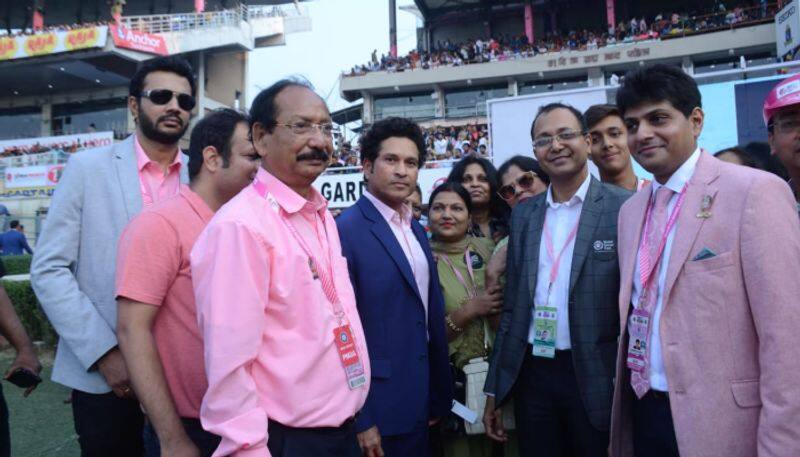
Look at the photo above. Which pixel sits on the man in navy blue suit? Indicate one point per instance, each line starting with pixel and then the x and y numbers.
pixel 398 296
pixel 13 242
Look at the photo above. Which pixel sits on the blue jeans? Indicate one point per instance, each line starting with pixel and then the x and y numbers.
pixel 205 441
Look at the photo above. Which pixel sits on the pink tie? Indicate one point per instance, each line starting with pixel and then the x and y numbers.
pixel 641 380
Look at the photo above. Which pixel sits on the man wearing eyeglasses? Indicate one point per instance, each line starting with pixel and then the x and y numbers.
pixel 285 352
pixel 73 268
pixel 782 115
pixel 557 338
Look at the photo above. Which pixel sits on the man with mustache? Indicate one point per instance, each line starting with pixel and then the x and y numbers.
pixel 285 353
pixel 558 332
pixel 72 271
pixel 609 138
pixel 708 256
pixel 398 296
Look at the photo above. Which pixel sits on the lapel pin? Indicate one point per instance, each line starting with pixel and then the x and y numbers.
pixel 705 206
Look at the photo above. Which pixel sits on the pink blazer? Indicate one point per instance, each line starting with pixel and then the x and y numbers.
pixel 730 325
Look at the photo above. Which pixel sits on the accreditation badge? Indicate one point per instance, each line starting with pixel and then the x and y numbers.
pixel 638 329
pixel 545 319
pixel 353 368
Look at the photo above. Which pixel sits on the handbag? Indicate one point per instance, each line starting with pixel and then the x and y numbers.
pixel 476 371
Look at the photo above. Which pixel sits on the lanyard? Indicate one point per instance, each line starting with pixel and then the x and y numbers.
pixel 556 259
pixel 471 290
pixel 325 275
pixel 647 266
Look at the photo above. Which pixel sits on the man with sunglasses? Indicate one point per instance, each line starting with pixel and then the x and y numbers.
pixel 285 352
pixel 72 271
pixel 157 318
pixel 559 327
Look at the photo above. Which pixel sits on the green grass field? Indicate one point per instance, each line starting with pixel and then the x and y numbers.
pixel 41 425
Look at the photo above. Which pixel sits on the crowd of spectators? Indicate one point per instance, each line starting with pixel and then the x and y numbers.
pixel 508 47
pixel 58 146
pixel 444 144
pixel 51 28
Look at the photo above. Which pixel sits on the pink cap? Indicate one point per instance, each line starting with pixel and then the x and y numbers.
pixel 785 93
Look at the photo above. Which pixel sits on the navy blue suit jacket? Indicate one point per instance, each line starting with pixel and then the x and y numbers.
pixel 411 379
pixel 14 243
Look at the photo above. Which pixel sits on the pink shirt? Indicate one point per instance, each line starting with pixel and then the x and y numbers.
pixel 153 268
pixel 401 228
pixel 155 184
pixel 266 321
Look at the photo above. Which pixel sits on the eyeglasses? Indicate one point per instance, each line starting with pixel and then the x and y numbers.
pixel 164 96
pixel 305 128
pixel 546 142
pixel 787 125
pixel 524 182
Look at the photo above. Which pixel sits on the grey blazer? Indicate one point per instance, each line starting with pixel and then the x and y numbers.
pixel 72 271
pixel 593 297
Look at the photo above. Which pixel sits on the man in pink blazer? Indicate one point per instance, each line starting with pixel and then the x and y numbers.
pixel 710 327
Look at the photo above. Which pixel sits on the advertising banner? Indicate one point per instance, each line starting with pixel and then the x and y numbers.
pixel 787 28
pixel 127 38
pixel 343 190
pixel 40 44
pixel 32 177
pixel 62 143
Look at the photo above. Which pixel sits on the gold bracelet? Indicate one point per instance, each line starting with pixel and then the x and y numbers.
pixel 452 324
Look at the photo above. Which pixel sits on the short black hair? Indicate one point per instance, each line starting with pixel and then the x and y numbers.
pixel 597 113
pixel 418 190
pixel 263 109
pixel 388 128
pixel 498 209
pixel 14 224
pixel 558 105
pixel 524 163
pixel 656 84
pixel 215 129
pixel 455 187
pixel 741 154
pixel 171 64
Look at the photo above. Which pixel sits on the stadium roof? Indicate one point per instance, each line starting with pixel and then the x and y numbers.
pixel 433 8
pixel 16 15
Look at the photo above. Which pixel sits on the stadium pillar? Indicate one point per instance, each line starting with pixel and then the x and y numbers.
pixel 47 116
pixel 529 21
pixel 596 78
pixel 687 65
pixel 393 28
pixel 201 85
pixel 38 15
pixel 438 98
pixel 366 111
pixel 513 87
pixel 610 15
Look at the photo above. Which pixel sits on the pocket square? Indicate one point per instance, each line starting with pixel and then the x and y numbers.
pixel 704 254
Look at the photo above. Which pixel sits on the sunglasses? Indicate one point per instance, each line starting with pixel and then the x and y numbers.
pixel 164 96
pixel 524 182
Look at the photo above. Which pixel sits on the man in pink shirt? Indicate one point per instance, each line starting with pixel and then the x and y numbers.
pixel 157 318
pixel 399 299
pixel 285 353
pixel 72 271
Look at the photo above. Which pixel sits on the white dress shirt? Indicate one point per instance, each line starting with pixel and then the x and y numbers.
pixel 560 218
pixel 401 228
pixel 658 377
